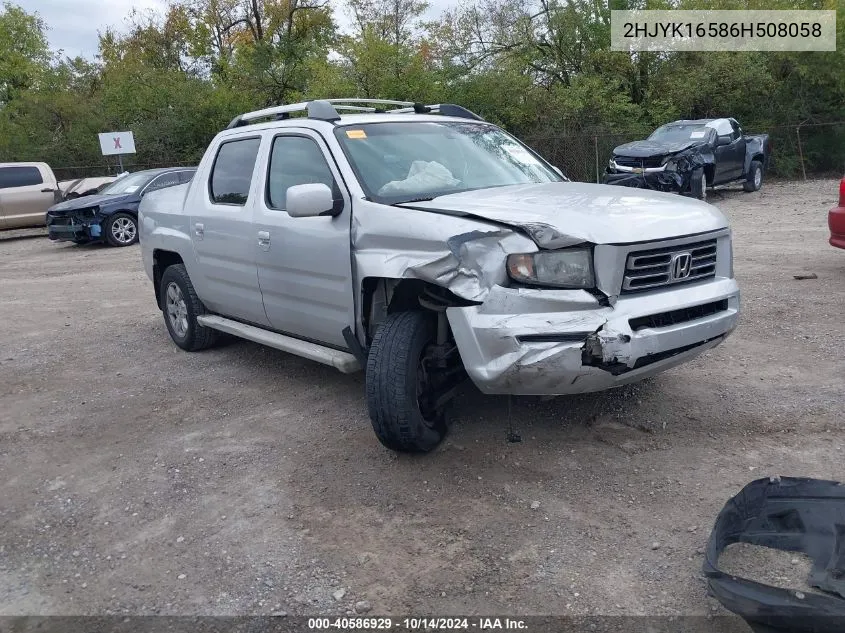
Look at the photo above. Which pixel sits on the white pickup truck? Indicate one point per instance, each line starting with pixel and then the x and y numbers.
pixel 425 245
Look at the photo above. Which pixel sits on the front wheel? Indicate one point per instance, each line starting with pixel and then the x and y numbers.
pixel 121 229
pixel 401 397
pixel 754 178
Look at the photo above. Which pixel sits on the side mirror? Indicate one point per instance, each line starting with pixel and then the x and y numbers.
pixel 307 201
pixel 724 140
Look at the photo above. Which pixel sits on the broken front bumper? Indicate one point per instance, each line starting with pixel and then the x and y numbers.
pixel 795 515
pixel 553 342
pixel 73 227
pixel 656 180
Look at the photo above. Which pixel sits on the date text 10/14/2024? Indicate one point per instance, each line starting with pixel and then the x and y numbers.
pixel 417 624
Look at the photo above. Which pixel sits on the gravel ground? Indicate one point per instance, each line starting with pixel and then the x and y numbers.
pixel 139 479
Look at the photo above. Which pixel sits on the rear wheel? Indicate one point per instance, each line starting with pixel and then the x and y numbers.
pixel 121 229
pixel 754 178
pixel 401 392
pixel 181 307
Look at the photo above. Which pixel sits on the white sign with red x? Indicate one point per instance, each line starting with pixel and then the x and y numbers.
pixel 112 143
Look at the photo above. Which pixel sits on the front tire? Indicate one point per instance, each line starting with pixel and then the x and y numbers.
pixel 181 306
pixel 754 178
pixel 399 393
pixel 121 229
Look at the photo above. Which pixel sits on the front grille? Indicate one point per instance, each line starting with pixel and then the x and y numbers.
pixel 646 270
pixel 638 162
pixel 665 319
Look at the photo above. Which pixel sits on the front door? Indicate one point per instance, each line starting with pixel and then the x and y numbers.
pixel 304 264
pixel 730 158
pixel 223 235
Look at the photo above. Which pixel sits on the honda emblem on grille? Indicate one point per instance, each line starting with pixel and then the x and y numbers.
pixel 681 265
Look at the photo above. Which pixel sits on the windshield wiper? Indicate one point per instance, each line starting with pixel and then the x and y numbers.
pixel 412 200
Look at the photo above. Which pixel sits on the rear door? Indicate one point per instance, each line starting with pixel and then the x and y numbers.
pixel 25 195
pixel 304 264
pixel 222 231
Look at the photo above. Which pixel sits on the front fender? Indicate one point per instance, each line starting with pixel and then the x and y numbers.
pixel 464 255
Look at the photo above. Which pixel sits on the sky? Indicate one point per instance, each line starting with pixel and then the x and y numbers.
pixel 73 24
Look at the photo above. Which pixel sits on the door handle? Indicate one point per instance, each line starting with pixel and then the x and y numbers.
pixel 199 230
pixel 264 240
pixel 47 190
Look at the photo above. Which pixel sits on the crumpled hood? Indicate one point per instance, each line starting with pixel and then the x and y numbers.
pixel 559 214
pixel 652 149
pixel 85 202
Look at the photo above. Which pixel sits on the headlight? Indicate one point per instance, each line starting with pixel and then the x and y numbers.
pixel 570 268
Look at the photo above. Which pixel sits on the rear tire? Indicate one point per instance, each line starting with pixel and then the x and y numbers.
pixel 121 229
pixel 181 307
pixel 754 178
pixel 397 382
pixel 698 184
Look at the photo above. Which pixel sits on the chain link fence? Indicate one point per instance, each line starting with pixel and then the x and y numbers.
pixel 75 172
pixel 798 152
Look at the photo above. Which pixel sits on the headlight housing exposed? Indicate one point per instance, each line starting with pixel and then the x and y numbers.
pixel 566 268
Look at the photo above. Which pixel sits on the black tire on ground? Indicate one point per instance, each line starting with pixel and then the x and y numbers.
pixel 754 178
pixel 121 229
pixel 698 184
pixel 393 371
pixel 181 307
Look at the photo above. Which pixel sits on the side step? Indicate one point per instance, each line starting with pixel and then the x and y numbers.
pixel 344 361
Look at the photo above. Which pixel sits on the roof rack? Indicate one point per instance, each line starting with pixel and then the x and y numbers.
pixel 327 110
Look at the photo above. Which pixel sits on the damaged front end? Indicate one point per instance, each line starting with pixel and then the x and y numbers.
pixel 552 342
pixel 77 225
pixel 795 515
pixel 518 327
pixel 672 173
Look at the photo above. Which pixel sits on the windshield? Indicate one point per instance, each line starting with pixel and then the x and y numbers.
pixel 681 133
pixel 127 184
pixel 402 162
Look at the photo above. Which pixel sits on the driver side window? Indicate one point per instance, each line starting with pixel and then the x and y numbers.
pixel 296 160
pixel 737 132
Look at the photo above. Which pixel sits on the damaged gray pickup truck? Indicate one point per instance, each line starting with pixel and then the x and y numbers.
pixel 425 245
pixel 689 156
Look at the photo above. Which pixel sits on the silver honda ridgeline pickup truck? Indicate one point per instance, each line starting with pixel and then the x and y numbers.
pixel 424 245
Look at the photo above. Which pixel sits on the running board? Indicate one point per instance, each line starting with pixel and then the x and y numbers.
pixel 344 361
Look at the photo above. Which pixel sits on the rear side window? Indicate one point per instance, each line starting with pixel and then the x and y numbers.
pixel 231 176
pixel 19 176
pixel 186 176
pixel 165 180
pixel 295 160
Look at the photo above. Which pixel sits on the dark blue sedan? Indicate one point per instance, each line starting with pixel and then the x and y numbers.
pixel 111 215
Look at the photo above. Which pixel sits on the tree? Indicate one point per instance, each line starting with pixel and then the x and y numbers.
pixel 24 53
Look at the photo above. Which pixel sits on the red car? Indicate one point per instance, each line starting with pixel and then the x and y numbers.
pixel 836 219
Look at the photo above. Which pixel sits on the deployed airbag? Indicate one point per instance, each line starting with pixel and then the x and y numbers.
pixel 422 176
